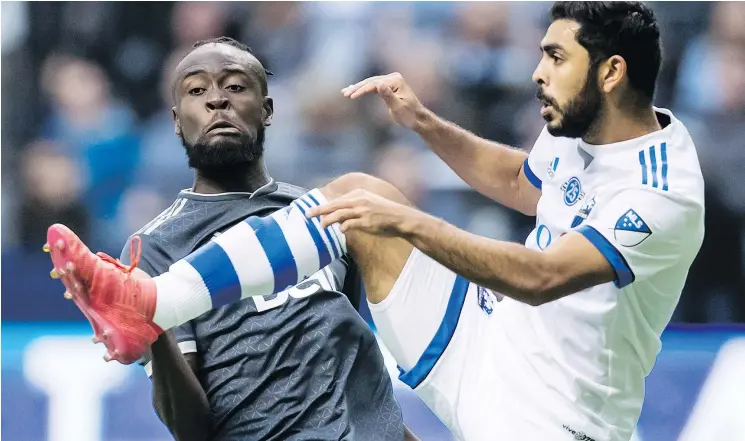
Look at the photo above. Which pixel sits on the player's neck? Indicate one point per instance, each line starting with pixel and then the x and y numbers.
pixel 245 178
pixel 618 126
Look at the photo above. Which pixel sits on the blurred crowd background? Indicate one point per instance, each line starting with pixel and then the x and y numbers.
pixel 87 132
pixel 88 140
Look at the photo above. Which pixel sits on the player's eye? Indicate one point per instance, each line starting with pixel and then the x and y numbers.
pixel 196 91
pixel 236 88
pixel 555 58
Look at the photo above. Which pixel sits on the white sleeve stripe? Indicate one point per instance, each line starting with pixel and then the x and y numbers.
pixel 186 347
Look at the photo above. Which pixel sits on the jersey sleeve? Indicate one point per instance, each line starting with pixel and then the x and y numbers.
pixel 539 160
pixel 345 277
pixel 154 261
pixel 642 232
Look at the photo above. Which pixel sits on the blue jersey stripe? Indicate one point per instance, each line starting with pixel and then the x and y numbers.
pixel 218 274
pixel 326 232
pixel 663 157
pixel 643 163
pixel 624 274
pixel 653 161
pixel 535 180
pixel 333 240
pixel 277 251
pixel 324 256
pixel 442 337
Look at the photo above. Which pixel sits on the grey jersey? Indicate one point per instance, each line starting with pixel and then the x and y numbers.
pixel 301 365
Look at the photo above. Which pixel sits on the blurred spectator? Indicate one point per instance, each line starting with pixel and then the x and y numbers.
pixel 95 130
pixel 52 189
pixel 193 21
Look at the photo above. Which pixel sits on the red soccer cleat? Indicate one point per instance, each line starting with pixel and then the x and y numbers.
pixel 118 304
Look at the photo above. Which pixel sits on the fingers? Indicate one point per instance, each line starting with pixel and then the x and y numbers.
pixel 370 85
pixel 385 92
pixel 339 216
pixel 328 208
pixel 349 90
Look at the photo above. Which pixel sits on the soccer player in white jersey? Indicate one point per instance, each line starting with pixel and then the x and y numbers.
pixel 547 341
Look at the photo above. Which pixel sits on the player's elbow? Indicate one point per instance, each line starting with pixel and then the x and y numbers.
pixel 545 286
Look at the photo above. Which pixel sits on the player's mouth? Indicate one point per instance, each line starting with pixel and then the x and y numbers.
pixel 546 109
pixel 223 127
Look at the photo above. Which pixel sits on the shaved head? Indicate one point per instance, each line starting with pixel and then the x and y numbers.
pixel 229 52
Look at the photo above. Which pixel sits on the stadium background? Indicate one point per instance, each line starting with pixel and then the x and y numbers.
pixel 87 139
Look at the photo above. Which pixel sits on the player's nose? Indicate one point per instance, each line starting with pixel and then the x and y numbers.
pixel 217 101
pixel 538 75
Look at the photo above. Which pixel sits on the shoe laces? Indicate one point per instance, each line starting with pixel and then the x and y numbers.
pixel 135 252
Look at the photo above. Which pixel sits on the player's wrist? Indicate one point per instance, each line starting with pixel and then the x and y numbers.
pixel 424 121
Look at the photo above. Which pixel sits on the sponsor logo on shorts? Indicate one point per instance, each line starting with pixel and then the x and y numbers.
pixel 579 436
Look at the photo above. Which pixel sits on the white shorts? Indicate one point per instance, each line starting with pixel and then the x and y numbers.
pixel 448 338
pixel 432 322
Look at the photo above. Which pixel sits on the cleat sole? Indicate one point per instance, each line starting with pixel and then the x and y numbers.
pixel 62 258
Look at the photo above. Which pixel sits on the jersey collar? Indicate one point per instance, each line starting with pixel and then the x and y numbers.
pixel 269 187
pixel 594 149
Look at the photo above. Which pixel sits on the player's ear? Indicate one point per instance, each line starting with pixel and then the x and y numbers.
pixel 176 122
pixel 267 111
pixel 611 73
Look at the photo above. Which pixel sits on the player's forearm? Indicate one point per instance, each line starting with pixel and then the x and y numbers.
pixel 178 397
pixel 490 168
pixel 508 268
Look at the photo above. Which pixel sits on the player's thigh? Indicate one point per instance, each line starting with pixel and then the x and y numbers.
pixel 434 323
pixel 415 307
pixel 380 259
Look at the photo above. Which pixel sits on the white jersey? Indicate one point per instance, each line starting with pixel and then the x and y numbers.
pixel 641 203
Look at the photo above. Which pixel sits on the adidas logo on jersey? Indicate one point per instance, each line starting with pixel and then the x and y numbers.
pixel 551 170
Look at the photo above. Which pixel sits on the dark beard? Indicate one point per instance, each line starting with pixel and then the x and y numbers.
pixel 225 152
pixel 581 112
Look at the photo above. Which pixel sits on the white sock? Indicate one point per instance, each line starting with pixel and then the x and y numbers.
pixel 257 257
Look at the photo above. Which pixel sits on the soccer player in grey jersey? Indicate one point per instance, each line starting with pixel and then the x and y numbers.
pixel 297 365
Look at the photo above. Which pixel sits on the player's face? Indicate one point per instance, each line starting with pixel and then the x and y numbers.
pixel 567 84
pixel 221 112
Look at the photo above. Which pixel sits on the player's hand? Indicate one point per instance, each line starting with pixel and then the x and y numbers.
pixel 364 211
pixel 403 105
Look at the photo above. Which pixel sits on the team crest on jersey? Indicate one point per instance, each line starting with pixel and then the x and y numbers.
pixel 572 191
pixel 630 229
pixel 584 212
pixel 487 300
pixel 551 170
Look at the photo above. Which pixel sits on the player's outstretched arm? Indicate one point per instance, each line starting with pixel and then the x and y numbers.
pixel 494 170
pixel 570 265
pixel 178 397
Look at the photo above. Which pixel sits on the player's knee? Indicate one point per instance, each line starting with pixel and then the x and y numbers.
pixel 362 181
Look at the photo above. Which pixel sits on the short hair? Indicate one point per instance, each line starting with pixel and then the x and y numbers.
pixel 238 45
pixel 625 28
